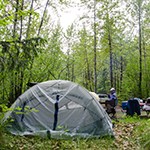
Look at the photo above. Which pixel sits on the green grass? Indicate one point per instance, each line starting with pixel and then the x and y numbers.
pixel 37 143
pixel 131 133
pixel 136 132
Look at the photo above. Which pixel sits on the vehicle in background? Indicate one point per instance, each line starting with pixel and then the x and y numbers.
pixel 103 98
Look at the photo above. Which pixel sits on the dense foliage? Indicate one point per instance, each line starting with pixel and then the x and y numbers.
pixel 112 49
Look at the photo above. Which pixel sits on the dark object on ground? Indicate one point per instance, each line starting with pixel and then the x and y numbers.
pixel 110 108
pixel 133 107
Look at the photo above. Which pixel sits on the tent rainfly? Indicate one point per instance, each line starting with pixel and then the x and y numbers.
pixel 58 109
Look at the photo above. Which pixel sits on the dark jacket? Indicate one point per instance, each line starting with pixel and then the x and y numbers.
pixel 133 107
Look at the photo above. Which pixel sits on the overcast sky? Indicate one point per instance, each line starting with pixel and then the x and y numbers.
pixel 71 14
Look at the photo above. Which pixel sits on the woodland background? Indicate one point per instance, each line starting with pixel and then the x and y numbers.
pixel 109 46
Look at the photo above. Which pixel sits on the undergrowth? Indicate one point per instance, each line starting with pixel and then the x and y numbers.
pixel 131 133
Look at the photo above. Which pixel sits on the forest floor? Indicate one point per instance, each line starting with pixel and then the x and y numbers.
pixel 131 133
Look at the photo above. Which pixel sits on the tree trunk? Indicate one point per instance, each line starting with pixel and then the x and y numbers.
pixel 111 59
pixel 87 72
pixel 29 21
pixel 95 50
pixel 42 19
pixel 13 85
pixel 68 64
pixel 21 20
pixel 15 19
pixel 145 69
pixel 140 53
pixel 21 70
pixel 121 74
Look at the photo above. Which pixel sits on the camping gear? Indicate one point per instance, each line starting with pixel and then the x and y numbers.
pixel 94 95
pixel 133 107
pixel 110 108
pixel 146 106
pixel 124 105
pixel 58 109
pixel 140 102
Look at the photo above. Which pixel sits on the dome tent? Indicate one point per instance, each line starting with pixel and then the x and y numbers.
pixel 58 109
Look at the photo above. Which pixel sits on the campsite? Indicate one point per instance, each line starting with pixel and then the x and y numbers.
pixel 73 120
pixel 75 75
pixel 131 133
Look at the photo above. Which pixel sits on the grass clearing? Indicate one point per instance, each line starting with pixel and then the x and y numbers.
pixel 131 133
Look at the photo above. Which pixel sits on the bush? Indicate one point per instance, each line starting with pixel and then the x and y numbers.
pixel 3 124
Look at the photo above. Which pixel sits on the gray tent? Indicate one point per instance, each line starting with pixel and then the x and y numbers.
pixel 58 109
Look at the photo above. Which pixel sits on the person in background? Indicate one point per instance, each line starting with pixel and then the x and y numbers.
pixel 113 96
pixel 111 103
